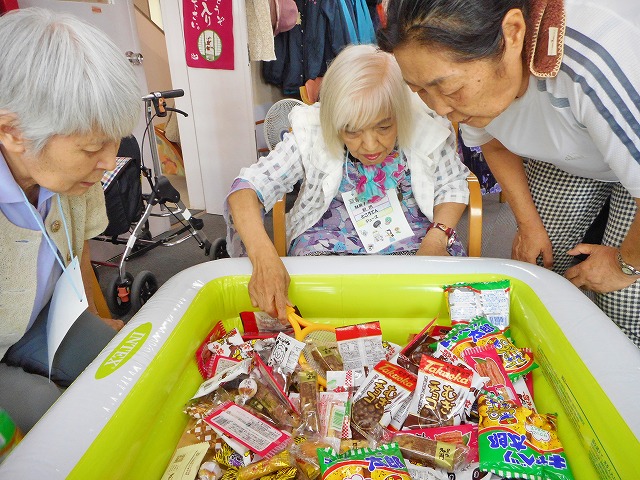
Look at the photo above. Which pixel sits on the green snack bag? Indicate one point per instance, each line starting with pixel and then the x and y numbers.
pixel 379 463
pixel 481 332
pixel 516 442
pixel 489 299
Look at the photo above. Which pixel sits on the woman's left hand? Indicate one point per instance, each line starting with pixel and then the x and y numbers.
pixel 116 324
pixel 600 272
pixel 433 245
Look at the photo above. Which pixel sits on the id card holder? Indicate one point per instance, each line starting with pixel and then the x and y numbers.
pixel 68 302
pixel 379 223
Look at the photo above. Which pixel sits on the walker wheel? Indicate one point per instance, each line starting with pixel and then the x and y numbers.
pixel 219 249
pixel 118 295
pixel 144 285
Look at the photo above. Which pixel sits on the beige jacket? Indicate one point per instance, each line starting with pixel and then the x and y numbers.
pixel 86 217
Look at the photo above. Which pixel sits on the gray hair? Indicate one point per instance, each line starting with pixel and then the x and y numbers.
pixel 361 83
pixel 61 76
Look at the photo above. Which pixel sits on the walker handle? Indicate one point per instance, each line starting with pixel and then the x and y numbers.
pixel 166 94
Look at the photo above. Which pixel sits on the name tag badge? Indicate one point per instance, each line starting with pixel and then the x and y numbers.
pixel 69 300
pixel 378 224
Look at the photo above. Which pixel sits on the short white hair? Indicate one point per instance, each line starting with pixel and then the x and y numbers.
pixel 62 76
pixel 362 83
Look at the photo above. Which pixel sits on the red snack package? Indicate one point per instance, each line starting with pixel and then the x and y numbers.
pixel 465 434
pixel 261 325
pixel 247 432
pixel 360 345
pixel 486 362
pixel 204 355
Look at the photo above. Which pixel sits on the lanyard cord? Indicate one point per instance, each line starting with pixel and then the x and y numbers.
pixel 40 222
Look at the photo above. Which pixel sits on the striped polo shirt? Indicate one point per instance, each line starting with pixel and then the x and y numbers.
pixel 586 120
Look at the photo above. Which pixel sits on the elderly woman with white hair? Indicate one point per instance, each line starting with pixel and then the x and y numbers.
pixel 379 173
pixel 68 96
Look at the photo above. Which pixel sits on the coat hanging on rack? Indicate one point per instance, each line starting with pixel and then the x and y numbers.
pixel 305 51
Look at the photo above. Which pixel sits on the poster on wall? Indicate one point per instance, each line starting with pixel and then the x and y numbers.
pixel 208 33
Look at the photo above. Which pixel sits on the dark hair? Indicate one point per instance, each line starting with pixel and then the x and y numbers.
pixel 468 29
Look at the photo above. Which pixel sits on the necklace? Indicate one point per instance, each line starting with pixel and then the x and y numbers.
pixel 375 180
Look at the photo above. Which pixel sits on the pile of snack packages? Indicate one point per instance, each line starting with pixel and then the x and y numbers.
pixel 455 402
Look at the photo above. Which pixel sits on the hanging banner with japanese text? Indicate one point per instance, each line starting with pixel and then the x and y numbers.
pixel 208 33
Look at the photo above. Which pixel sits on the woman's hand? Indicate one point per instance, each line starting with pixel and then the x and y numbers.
pixel 530 243
pixel 600 272
pixel 117 325
pixel 269 285
pixel 434 243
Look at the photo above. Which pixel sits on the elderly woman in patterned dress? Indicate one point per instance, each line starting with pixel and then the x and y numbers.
pixel 367 148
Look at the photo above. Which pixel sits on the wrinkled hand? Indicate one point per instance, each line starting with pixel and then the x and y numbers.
pixel 531 242
pixel 117 325
pixel 269 286
pixel 434 244
pixel 600 272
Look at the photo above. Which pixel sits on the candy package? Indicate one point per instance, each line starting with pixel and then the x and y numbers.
pixel 383 392
pixel 486 362
pixel 465 435
pixel 481 332
pixel 440 395
pixel 235 372
pixel 246 433
pixel 432 453
pixel 284 359
pixel 261 392
pixel 517 442
pixel 384 462
pixel 325 357
pixel 360 345
pixel 204 357
pixel 334 410
pixel 262 325
pixel 489 299
pixel 283 460
pixel 308 389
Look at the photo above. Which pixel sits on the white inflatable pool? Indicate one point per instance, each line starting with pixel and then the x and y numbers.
pixel 123 416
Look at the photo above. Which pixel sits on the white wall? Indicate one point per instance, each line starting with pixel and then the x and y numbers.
pixel 154 50
pixel 218 136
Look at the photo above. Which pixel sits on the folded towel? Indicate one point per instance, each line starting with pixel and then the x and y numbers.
pixel 544 40
pixel 260 31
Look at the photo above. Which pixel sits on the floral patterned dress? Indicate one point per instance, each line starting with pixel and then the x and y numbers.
pixel 334 233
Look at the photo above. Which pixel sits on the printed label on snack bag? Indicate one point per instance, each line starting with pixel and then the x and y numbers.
pixel 285 353
pixel 123 352
pixel 360 345
pixel 185 462
pixel 255 434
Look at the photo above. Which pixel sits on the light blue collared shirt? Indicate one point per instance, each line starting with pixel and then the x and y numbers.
pixel 16 210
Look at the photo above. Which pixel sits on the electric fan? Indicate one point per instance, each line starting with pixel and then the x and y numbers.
pixel 276 121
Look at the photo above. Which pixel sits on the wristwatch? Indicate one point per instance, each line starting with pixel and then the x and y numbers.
pixel 450 232
pixel 625 267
